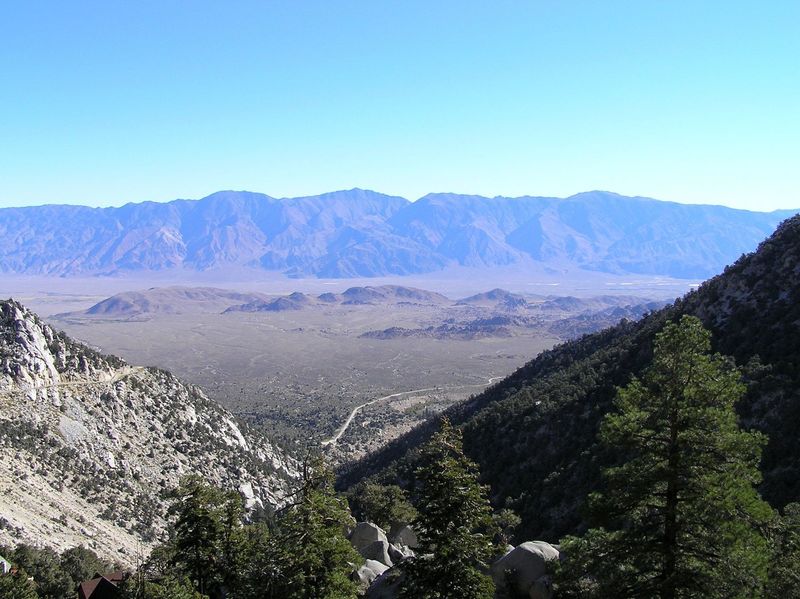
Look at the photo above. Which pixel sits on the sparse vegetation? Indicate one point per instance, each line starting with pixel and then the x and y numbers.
pixel 261 381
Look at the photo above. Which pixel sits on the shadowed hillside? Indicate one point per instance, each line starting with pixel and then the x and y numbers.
pixel 534 433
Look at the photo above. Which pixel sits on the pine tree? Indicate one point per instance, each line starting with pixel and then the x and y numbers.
pixel 680 517
pixel 453 511
pixel 258 570
pixel 44 565
pixel 311 557
pixel 206 532
pixel 80 564
pixel 784 567
pixel 385 505
pixel 167 587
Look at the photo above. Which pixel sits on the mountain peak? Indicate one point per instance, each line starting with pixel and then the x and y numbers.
pixel 600 195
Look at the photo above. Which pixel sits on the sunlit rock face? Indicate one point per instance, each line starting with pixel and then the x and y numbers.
pixel 91 444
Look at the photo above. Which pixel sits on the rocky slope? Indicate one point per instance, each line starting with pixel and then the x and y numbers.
pixel 534 434
pixel 91 444
pixel 359 233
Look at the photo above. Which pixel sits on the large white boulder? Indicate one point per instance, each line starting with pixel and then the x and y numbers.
pixel 366 533
pixel 378 551
pixel 370 571
pixel 398 553
pixel 405 536
pixel 524 565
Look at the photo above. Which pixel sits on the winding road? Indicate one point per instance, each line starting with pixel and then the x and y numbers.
pixel 343 428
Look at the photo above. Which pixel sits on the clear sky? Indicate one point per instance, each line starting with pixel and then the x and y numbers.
pixel 107 102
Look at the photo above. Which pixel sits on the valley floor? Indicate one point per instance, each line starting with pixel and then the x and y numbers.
pixel 355 376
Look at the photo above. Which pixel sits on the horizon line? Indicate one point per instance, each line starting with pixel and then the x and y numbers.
pixel 411 201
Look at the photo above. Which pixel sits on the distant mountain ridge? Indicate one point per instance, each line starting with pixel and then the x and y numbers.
pixel 170 300
pixel 360 233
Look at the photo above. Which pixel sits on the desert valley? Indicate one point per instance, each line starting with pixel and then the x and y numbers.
pixel 338 299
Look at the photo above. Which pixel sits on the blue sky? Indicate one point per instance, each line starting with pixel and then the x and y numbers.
pixel 108 102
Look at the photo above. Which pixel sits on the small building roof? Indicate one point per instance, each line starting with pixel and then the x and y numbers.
pixel 101 587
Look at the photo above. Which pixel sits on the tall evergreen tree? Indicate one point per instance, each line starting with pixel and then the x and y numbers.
pixel 206 532
pixel 680 517
pixel 454 514
pixel 258 569
pixel 311 557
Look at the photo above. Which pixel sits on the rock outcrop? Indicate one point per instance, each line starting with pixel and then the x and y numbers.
pixel 90 444
pixel 525 569
pixel 366 533
pixel 379 551
pixel 379 576
pixel 371 569
pixel 522 571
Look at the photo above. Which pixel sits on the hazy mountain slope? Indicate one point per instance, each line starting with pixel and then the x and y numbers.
pixel 534 434
pixel 495 298
pixel 170 300
pixel 380 295
pixel 595 230
pixel 91 444
pixel 224 228
pixel 359 233
pixel 587 322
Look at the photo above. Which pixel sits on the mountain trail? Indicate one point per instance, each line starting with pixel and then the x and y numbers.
pixel 119 375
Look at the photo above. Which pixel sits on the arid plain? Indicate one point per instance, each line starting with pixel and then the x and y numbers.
pixel 352 372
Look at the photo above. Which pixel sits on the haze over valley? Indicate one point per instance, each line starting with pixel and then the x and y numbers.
pixel 295 365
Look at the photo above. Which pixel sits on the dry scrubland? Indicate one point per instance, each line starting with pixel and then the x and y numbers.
pixel 298 374
pixel 301 373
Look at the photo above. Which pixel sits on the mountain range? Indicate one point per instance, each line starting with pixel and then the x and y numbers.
pixel 534 434
pixel 360 233
pixel 91 443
